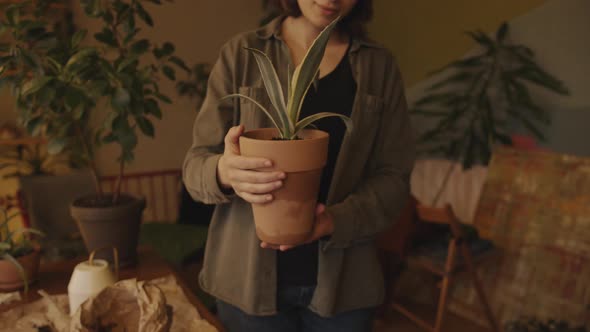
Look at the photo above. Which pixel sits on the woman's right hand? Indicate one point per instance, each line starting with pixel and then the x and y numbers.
pixel 243 175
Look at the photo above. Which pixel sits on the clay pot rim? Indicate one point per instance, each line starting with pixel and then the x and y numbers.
pixel 320 135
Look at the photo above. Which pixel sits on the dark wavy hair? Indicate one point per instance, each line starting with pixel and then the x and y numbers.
pixel 354 23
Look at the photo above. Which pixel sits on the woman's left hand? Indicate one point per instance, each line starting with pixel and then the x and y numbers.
pixel 324 225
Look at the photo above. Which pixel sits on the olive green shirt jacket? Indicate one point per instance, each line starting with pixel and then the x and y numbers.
pixel 369 188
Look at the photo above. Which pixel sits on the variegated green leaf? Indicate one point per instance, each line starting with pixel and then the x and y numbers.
pixel 314 117
pixel 239 95
pixel 307 70
pixel 272 85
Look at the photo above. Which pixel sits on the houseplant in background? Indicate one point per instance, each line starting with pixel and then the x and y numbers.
pixel 480 99
pixel 298 151
pixel 64 86
pixel 19 257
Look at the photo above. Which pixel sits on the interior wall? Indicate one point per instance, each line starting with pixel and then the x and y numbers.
pixel 424 35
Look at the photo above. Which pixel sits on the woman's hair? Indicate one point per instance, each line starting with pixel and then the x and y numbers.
pixel 353 23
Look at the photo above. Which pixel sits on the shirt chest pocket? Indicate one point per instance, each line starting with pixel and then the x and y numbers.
pixel 366 116
pixel 251 116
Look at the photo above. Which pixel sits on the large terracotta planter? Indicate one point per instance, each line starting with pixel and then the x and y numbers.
pixel 10 279
pixel 110 226
pixel 289 218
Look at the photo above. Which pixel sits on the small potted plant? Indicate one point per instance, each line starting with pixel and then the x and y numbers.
pixel 298 151
pixel 19 256
pixel 63 84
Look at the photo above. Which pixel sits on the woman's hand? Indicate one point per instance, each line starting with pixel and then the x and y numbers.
pixel 242 173
pixel 323 226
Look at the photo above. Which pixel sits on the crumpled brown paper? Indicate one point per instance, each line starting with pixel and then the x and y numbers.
pixel 157 305
pixel 127 306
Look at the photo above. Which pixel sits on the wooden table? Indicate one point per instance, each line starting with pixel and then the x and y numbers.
pixel 54 278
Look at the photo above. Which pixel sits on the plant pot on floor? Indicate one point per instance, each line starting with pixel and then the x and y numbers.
pixel 106 225
pixel 11 279
pixel 289 218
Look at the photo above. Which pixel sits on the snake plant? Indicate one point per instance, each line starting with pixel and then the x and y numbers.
pixel 10 249
pixel 286 119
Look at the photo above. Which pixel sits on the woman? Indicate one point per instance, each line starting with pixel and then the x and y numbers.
pixel 333 282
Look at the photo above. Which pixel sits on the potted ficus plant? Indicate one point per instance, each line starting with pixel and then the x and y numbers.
pixel 298 151
pixel 82 95
pixel 19 256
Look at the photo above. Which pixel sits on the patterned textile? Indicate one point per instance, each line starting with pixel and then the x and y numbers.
pixel 535 206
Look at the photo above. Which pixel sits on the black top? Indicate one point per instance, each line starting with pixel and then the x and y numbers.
pixel 335 93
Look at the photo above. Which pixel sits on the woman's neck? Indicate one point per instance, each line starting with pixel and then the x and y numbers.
pixel 303 32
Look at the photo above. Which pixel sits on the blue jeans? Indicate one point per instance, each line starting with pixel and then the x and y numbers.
pixel 294 316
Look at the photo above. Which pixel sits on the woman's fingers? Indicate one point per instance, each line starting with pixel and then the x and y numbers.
pixel 255 198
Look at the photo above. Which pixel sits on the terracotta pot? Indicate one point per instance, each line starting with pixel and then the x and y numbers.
pixel 110 226
pixel 10 279
pixel 289 218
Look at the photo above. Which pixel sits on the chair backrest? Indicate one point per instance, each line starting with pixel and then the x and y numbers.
pixel 161 190
pixel 535 206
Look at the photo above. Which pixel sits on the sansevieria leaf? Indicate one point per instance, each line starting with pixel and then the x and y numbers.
pixel 314 117
pixel 307 70
pixel 233 95
pixel 273 87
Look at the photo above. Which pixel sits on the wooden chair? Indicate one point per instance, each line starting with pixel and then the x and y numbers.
pixel 446 268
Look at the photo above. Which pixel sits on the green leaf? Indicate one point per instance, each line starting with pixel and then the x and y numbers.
pixel 78 37
pixel 143 14
pixel 153 108
pixel 77 58
pixel 13 14
pixel 145 125
pixel 36 84
pixel 180 63
pixel 234 95
pixel 92 8
pixel 56 145
pixel 166 50
pixel 315 117
pixel 460 77
pixel 107 37
pixel 121 98
pixel 169 72
pixel 307 71
pixel 34 126
pixel 482 39
pixel 74 98
pixel 126 62
pixel 273 89
pixel 140 46
pixel 163 98
pixel 502 32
